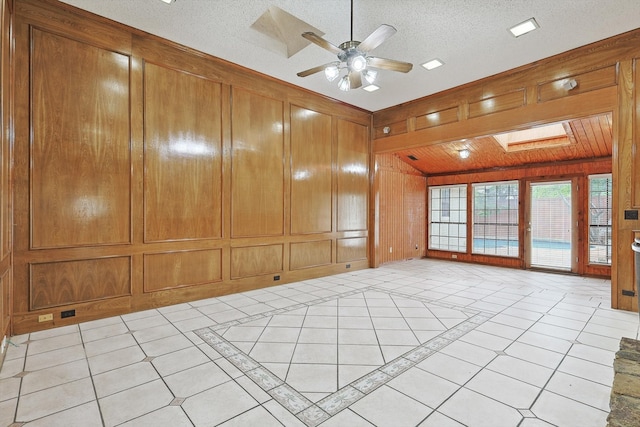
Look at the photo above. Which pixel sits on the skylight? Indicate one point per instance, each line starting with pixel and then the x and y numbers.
pixel 553 135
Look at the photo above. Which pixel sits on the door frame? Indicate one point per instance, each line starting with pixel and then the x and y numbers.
pixel 576 242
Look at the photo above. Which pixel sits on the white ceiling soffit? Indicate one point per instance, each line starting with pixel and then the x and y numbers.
pixel 470 36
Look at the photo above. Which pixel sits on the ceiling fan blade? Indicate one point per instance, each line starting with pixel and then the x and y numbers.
pixel 389 64
pixel 314 38
pixel 355 79
pixel 314 70
pixel 376 38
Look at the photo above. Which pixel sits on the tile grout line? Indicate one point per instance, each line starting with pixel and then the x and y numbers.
pixel 314 413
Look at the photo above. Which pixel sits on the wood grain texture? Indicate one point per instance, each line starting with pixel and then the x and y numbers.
pixel 635 167
pixel 622 274
pixel 497 103
pixel 586 82
pixel 227 191
pixel 253 261
pixel 588 138
pixel 185 268
pixel 352 175
pixel 391 129
pixel 80 154
pixel 438 118
pixel 257 171
pixel 182 156
pixel 59 283
pixel 414 207
pixel 311 171
pixel 6 93
pixel 401 209
pixel 6 214
pixel 351 249
pixel 310 254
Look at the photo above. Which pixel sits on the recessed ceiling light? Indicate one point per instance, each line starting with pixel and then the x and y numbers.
pixel 168 1
pixel 434 63
pixel 371 88
pixel 524 27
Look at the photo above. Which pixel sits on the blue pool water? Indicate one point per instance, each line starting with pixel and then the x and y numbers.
pixel 497 243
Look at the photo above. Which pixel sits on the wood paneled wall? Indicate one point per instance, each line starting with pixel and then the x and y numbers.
pixel 6 218
pixel 608 80
pixel 149 174
pixel 401 196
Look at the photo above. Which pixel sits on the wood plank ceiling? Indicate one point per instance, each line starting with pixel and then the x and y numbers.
pixel 587 138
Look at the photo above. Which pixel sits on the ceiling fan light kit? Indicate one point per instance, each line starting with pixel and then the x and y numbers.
pixel 354 59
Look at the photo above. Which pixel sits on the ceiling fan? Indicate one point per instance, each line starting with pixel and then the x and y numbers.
pixel 353 56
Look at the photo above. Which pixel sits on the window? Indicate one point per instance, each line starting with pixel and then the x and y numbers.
pixel 448 218
pixel 600 191
pixel 495 218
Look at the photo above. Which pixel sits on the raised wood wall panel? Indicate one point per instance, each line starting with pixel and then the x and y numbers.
pixel 588 81
pixel 64 19
pixel 310 254
pixel 438 118
pixel 256 261
pixel 351 249
pixel 182 156
pixel 352 175
pixel 186 268
pixel 257 171
pixel 81 174
pixel 61 283
pixel 213 152
pixel 311 163
pixel 497 103
pixel 586 104
pixel 393 129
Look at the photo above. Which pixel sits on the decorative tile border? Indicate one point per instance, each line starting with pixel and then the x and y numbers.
pixel 310 413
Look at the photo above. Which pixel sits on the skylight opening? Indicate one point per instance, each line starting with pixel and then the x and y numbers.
pixel 553 135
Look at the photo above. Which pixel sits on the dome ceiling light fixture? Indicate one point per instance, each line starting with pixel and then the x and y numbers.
pixel 354 60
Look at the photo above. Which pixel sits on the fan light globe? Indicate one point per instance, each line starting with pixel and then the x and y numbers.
pixel 370 75
pixel 344 84
pixel 358 63
pixel 331 72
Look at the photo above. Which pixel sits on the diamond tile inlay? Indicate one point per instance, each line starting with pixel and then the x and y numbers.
pixel 273 334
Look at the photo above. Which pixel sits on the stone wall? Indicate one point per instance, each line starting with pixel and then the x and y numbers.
pixel 625 393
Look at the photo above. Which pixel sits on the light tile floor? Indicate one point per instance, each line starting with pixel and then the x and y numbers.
pixel 421 342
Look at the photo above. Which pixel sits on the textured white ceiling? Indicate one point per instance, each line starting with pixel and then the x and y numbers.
pixel 470 36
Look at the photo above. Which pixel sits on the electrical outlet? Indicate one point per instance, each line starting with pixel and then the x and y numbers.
pixel 276 277
pixel 45 317
pixel 348 265
pixel 4 345
pixel 67 313
pixel 454 256
pixel 390 250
